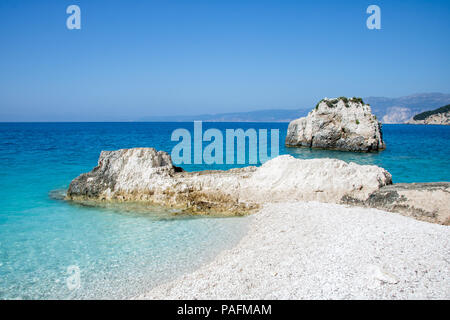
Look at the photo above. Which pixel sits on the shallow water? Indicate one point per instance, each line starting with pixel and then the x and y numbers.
pixel 122 252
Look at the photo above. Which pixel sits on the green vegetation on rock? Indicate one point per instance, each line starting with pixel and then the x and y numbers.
pixel 357 100
pixel 426 114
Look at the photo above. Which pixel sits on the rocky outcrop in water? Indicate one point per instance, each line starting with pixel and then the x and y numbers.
pixel 146 175
pixel 338 124
pixel 439 116
pixel 423 201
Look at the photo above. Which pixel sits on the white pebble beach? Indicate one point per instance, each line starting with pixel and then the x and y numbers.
pixel 311 250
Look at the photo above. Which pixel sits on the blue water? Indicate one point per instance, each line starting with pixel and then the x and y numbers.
pixel 123 251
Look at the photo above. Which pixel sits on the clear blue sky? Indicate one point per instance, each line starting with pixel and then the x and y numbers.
pixel 133 59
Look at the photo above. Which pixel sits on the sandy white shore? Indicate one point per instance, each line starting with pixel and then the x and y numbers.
pixel 310 250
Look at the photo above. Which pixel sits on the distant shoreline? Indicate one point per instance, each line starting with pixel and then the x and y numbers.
pixel 388 110
pixel 190 122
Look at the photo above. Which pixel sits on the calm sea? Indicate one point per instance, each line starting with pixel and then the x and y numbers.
pixel 121 252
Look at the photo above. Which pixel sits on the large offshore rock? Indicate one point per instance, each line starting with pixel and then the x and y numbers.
pixel 145 175
pixel 338 124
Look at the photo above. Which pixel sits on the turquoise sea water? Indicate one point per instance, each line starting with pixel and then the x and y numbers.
pixel 122 252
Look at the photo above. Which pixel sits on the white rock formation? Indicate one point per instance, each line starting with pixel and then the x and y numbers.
pixel 423 201
pixel 339 124
pixel 286 178
pixel 143 174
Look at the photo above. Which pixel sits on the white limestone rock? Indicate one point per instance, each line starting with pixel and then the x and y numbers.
pixel 143 174
pixel 286 178
pixel 338 124
pixel 423 201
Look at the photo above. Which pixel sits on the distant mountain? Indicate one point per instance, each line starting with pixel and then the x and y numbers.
pixel 388 110
pixel 271 115
pixel 400 110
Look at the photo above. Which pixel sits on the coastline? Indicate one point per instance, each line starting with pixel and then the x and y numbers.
pixel 311 250
pixel 97 232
